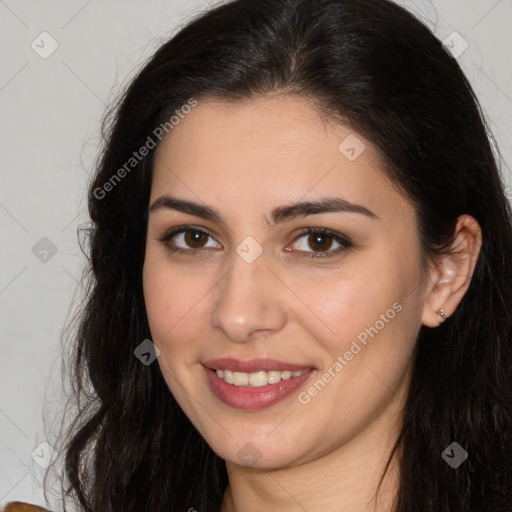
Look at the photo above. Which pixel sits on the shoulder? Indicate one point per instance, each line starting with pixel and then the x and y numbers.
pixel 18 506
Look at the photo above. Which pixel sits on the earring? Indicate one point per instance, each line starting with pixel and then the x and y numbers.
pixel 440 312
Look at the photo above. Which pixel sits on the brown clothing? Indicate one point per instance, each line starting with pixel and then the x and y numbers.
pixel 18 506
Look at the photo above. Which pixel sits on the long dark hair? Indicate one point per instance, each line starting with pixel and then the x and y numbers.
pixel 373 66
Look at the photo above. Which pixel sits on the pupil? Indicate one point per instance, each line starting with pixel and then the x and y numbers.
pixel 319 240
pixel 194 237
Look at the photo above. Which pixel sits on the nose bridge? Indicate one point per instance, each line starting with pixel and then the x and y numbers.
pixel 247 298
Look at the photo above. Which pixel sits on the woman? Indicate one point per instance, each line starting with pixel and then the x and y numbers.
pixel 301 259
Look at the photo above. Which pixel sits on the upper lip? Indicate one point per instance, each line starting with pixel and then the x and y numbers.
pixel 253 365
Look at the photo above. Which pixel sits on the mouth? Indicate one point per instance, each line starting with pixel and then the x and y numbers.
pixel 258 378
pixel 257 383
pixel 255 372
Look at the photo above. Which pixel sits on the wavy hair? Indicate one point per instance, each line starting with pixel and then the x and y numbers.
pixel 374 67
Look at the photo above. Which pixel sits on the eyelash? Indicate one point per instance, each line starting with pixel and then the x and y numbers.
pixel 341 239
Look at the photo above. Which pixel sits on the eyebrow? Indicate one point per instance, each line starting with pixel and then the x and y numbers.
pixel 280 214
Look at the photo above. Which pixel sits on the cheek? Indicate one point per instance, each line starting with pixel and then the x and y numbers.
pixel 342 305
pixel 176 305
pixel 367 357
pixel 370 318
pixel 170 297
pixel 157 297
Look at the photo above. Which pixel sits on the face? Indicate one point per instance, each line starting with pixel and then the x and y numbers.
pixel 238 277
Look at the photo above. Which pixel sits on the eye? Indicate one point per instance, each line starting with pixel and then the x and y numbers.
pixel 321 240
pixel 192 239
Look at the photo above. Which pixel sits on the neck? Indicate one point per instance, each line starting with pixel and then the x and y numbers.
pixel 344 479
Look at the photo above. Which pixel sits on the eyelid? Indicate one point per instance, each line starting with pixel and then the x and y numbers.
pixel 183 229
pixel 342 239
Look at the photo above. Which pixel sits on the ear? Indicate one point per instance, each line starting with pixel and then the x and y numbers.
pixel 451 275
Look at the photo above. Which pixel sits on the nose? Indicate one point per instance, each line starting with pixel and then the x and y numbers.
pixel 249 301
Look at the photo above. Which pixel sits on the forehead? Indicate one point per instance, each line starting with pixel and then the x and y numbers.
pixel 268 150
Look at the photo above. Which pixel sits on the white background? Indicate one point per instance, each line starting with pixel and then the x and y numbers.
pixel 51 110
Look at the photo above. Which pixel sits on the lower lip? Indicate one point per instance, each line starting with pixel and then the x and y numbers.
pixel 251 398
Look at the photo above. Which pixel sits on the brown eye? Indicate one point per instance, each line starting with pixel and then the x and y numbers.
pixel 195 239
pixel 320 242
pixel 187 239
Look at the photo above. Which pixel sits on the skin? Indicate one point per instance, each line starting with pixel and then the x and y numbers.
pixel 244 159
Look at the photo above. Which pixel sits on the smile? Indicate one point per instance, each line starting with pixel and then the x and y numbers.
pixel 245 395
pixel 259 378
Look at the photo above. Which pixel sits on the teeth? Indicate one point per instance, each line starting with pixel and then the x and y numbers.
pixel 273 377
pixel 240 379
pixel 257 379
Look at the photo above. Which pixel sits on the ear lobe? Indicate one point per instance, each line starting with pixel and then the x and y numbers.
pixel 438 297
pixel 452 274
